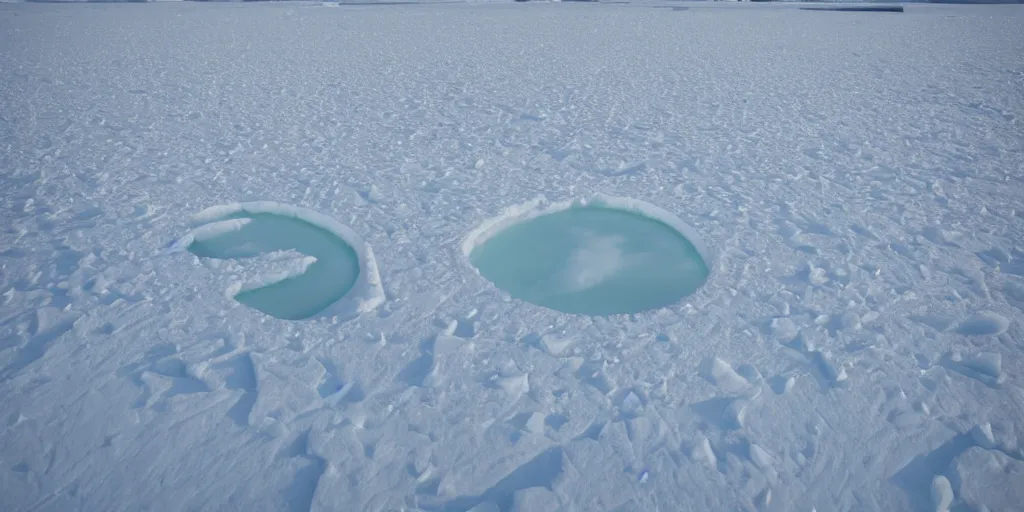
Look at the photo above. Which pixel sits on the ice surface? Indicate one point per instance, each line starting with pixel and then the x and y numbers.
pixel 854 176
pixel 985 323
pixel 987 363
pixel 989 479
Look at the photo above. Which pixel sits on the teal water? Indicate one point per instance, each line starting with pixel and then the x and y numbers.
pixel 592 260
pixel 298 297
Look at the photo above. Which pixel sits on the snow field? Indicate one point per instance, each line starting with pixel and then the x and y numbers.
pixel 856 345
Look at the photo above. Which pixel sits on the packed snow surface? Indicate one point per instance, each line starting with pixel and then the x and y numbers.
pixel 852 180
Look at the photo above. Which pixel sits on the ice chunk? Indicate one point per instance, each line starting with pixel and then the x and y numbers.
pixel 984 323
pixel 987 363
pixel 555 345
pixel 784 329
pixel 445 343
pixel 702 452
pixel 817 276
pixel 631 404
pixel 722 374
pixel 869 317
pixel 942 493
pixel 750 373
pixel 759 456
pixel 982 434
pixel 764 499
pixel 851 320
pixel 532 422
pixel 515 386
pixel 782 384
pixel 373 194
pixel 736 413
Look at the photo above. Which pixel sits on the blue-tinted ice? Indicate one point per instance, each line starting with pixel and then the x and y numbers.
pixel 324 282
pixel 592 260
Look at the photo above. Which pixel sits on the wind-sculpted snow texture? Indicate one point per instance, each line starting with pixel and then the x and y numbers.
pixel 857 177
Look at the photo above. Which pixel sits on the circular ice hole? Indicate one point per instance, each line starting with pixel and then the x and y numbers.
pixel 334 273
pixel 600 257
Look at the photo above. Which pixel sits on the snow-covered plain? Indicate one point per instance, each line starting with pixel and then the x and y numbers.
pixel 859 178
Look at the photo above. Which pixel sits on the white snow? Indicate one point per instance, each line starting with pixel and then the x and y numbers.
pixel 215 229
pixel 852 179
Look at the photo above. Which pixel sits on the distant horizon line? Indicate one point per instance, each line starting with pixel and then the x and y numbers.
pixel 429 2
